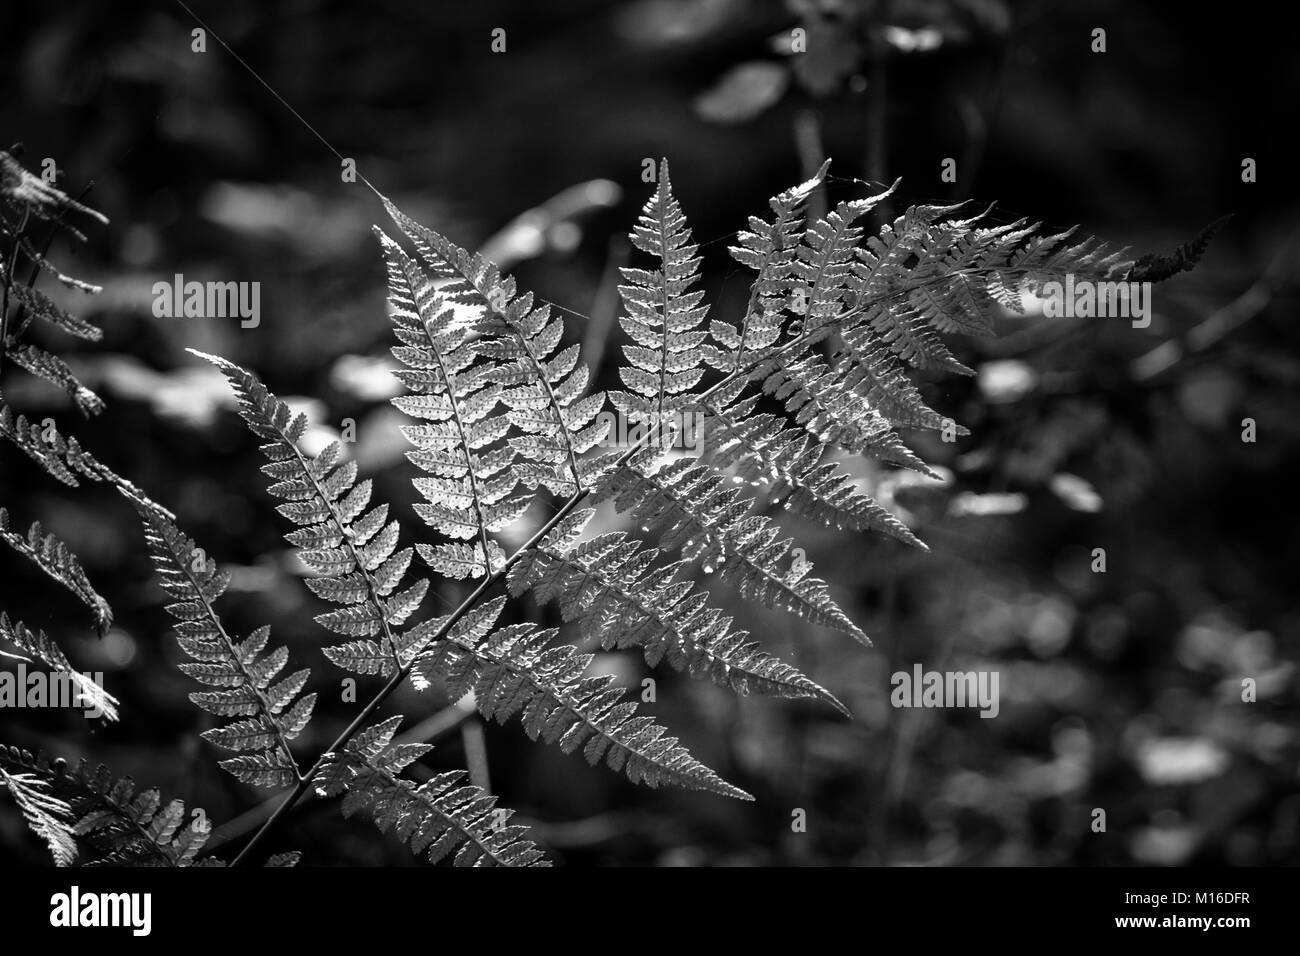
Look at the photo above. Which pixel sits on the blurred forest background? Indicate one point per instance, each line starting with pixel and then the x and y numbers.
pixel 1119 690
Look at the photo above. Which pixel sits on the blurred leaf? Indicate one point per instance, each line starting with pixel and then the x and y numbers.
pixel 743 93
pixel 832 56
pixel 1076 493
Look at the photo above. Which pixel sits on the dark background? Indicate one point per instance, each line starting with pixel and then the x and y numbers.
pixel 1119 690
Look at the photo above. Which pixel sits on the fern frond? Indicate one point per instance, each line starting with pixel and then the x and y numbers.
pixel 545 394
pixel 662 314
pixel 43 648
pixel 54 558
pixel 541 388
pixel 624 600
pixel 43 264
pixel 127 827
pixel 20 187
pixel 521 670
pixel 63 458
pixel 769 249
pixel 1155 267
pixel 696 510
pixel 240 671
pixel 39 306
pixel 925 274
pixel 470 482
pixel 47 816
pixel 438 817
pixel 53 369
pixel 351 549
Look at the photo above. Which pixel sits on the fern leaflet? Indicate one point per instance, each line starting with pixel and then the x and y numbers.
pixel 47 816
pixel 613 587
pixel 270 714
pixel 351 549
pixel 436 818
pixel 54 558
pixel 521 670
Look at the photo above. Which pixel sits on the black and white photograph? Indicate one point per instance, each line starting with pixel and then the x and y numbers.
pixel 843 437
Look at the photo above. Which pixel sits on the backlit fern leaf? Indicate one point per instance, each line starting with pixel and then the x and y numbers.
pixel 873 372
pixel 437 818
pixel 925 274
pixel 822 400
pixel 824 261
pixel 63 458
pixel 351 549
pixel 662 314
pixel 47 816
pixel 128 828
pixel 542 387
pixel 770 250
pixel 53 369
pixel 269 715
pixel 545 395
pixel 25 190
pixel 470 482
pixel 40 306
pixel 623 599
pixel 694 509
pixel 90 694
pixel 760 448
pixel 521 670
pixel 54 558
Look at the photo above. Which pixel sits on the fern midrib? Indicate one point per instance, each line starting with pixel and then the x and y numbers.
pixel 816 296
pixel 555 404
pixel 411 792
pixel 345 530
pixel 481 288
pixel 768 258
pixel 757 449
pixel 666 295
pixel 470 459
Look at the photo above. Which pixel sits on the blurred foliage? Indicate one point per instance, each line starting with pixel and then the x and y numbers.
pixel 1119 690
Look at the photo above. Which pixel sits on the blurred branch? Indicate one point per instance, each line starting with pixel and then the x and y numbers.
pixel 541 229
pixel 604 307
